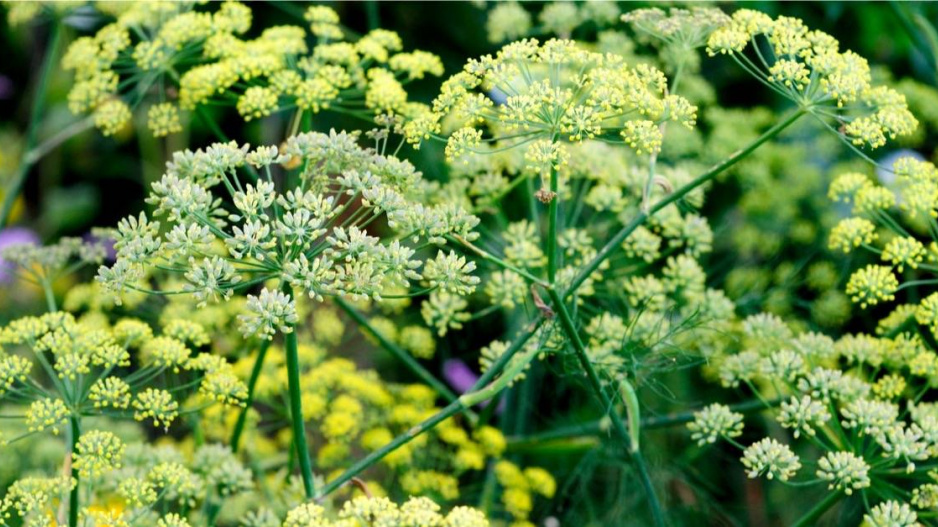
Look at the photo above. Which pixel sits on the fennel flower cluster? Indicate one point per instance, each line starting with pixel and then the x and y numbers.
pixel 172 57
pixel 85 362
pixel 309 233
pixel 540 96
pixel 70 377
pixel 686 29
pixel 854 404
pixel 807 67
pixel 137 484
pixel 896 225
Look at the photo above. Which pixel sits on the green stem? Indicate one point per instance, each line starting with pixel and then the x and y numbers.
pixel 930 36
pixel 252 384
pixel 399 441
pixel 569 328
pixel 913 283
pixel 211 514
pixel 296 406
pixel 51 143
pixel 812 515
pixel 39 96
pixel 921 32
pixel 614 242
pixel 552 213
pixel 50 296
pixel 402 355
pixel 475 395
pixel 73 434
pixel 371 12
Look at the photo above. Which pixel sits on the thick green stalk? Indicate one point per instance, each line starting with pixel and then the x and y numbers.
pixel 252 383
pixel 50 295
pixel 614 242
pixel 371 12
pixel 566 322
pixel 39 97
pixel 552 219
pixel 402 355
pixel 479 392
pixel 73 434
pixel 810 518
pixel 296 407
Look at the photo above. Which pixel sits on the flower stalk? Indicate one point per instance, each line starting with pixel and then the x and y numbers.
pixel 296 406
pixel 73 434
pixel 252 383
pixel 552 219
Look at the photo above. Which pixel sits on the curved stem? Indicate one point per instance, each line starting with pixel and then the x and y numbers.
pixel 252 383
pixel 913 283
pixel 640 218
pixel 296 406
pixel 39 96
pixel 65 134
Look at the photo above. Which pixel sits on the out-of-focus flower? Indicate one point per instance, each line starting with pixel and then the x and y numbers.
pixel 458 374
pixel 13 236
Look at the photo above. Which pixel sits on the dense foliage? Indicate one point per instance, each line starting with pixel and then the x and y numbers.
pixel 578 264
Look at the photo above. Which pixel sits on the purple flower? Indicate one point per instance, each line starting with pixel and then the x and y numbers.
pixel 462 379
pixel 6 87
pixel 459 375
pixel 14 236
